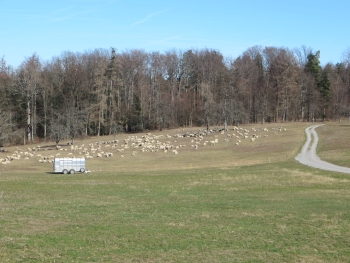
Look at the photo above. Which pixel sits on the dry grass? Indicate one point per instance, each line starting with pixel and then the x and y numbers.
pixel 275 147
pixel 335 144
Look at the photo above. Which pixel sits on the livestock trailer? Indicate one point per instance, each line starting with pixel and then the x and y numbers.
pixel 69 165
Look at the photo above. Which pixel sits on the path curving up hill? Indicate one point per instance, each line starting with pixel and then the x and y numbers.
pixel 308 155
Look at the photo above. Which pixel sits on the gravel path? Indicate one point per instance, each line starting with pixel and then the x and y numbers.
pixel 308 155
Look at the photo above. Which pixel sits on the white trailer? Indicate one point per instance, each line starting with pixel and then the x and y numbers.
pixel 69 165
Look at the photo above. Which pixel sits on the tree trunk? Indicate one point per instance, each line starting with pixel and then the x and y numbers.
pixel 45 115
pixel 110 109
pixel 29 127
pixel 34 118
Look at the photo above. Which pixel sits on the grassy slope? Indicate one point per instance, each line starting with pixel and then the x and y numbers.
pixel 224 203
pixel 335 144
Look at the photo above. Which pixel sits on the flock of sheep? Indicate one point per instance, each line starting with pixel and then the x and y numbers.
pixel 140 144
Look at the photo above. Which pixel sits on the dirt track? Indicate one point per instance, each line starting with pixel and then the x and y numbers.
pixel 308 155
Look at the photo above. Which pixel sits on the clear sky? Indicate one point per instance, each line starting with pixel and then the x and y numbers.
pixel 48 27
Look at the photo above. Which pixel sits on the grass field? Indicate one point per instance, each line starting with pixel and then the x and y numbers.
pixel 250 202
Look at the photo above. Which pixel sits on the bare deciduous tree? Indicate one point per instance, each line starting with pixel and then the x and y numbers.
pixel 58 129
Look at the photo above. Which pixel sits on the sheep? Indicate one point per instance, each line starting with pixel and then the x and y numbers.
pixel 108 154
pixel 16 157
pixel 5 161
pixel 213 142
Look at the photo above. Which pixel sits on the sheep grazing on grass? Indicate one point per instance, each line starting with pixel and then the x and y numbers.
pixel 151 143
pixel 108 154
pixel 213 142
pixel 5 161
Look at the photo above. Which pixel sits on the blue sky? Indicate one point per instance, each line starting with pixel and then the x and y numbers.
pixel 49 28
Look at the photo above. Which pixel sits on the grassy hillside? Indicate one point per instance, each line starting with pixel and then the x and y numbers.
pixel 335 144
pixel 250 202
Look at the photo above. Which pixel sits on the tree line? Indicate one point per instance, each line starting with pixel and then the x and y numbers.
pixel 103 92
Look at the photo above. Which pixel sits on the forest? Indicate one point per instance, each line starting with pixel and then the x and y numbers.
pixel 103 92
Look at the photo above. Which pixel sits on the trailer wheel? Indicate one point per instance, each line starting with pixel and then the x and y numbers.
pixel 64 171
pixel 82 170
pixel 72 171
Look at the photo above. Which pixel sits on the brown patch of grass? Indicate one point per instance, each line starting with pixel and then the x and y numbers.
pixel 277 146
pixel 334 145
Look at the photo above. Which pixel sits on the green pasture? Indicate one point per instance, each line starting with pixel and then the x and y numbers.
pixel 250 202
